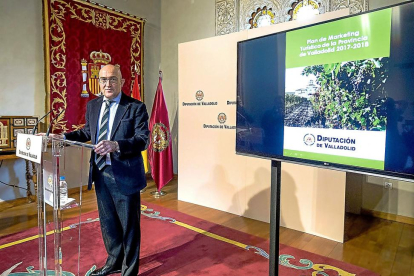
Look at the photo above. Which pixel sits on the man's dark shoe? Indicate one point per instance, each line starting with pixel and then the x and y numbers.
pixel 105 270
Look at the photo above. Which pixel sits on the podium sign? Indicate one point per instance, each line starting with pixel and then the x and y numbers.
pixel 29 147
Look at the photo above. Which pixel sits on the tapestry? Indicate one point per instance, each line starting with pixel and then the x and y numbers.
pixel 80 38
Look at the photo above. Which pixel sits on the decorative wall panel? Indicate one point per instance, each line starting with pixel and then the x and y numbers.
pixel 237 15
pixel 226 17
pixel 249 7
pixel 355 6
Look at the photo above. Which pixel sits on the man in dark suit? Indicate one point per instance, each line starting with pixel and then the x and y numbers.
pixel 118 125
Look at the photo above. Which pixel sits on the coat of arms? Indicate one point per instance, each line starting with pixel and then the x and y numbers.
pixel 90 73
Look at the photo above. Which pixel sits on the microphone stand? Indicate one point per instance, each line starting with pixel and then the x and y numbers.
pixel 51 123
pixel 37 123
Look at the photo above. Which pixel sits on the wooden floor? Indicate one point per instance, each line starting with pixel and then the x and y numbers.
pixel 382 246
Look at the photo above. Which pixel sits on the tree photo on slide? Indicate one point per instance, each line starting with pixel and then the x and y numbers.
pixel 351 95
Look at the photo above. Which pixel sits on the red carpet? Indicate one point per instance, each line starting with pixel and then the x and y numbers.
pixel 173 244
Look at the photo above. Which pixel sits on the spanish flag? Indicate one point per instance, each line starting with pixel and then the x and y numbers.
pixel 137 95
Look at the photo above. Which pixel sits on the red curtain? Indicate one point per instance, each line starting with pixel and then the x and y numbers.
pixel 80 37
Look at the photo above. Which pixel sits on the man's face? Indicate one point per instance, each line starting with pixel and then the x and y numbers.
pixel 110 81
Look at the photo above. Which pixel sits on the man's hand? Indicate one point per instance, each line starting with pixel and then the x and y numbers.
pixel 105 147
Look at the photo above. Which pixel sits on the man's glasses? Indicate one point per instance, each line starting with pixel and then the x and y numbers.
pixel 111 80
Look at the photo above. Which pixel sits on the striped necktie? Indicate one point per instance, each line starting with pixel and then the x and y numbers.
pixel 103 134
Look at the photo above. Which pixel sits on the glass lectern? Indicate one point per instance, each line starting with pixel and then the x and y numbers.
pixel 59 216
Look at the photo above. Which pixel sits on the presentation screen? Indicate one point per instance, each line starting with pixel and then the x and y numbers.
pixel 338 94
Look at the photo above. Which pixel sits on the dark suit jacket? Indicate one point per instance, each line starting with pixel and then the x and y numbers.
pixel 130 130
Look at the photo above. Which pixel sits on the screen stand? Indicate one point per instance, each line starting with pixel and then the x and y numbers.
pixel 274 218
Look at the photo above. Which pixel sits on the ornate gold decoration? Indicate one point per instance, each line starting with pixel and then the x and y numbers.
pixel 260 13
pixel 100 20
pixel 101 17
pixel 296 6
pixel 249 10
pixel 99 57
pixel 160 137
pixel 77 127
pixel 58 86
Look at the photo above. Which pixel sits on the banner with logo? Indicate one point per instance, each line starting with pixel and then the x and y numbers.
pixel 29 147
pixel 160 150
pixel 80 38
pixel 334 96
pixel 211 174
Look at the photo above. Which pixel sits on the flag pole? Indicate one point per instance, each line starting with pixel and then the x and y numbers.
pixel 158 194
pixel 136 94
pixel 145 188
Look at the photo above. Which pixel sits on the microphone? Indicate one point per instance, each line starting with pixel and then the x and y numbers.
pixel 37 123
pixel 51 123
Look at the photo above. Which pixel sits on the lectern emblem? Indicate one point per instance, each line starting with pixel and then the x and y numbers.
pixel 160 137
pixel 50 181
pixel 28 144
